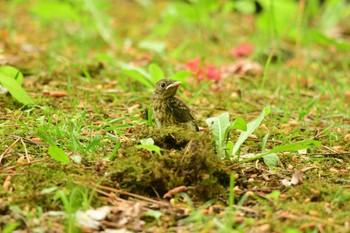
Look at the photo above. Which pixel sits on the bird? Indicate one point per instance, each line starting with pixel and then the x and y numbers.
pixel 169 110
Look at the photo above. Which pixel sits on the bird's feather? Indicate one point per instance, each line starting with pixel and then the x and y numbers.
pixel 179 110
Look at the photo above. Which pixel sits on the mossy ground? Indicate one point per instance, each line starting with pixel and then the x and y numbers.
pixel 103 107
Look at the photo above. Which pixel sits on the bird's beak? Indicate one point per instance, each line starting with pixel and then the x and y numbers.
pixel 175 84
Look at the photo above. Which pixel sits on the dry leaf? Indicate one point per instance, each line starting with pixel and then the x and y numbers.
pixel 297 177
pixel 56 94
pixel 174 191
pixel 242 67
pixel 252 136
pixel 347 137
pixel 337 148
pixel 302 152
pixel 7 183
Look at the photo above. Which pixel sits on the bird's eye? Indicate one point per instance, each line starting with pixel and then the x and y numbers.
pixel 162 85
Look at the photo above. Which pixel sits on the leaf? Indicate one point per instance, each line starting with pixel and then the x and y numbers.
pixel 219 126
pixel 289 147
pixel 11 227
pixel 296 146
pixel 229 147
pixel 181 75
pixel 48 190
pixel 155 72
pixel 155 46
pixel 264 141
pixel 239 123
pixel 250 129
pixel 271 160
pixel 136 75
pixel 58 154
pixel 275 194
pixel 12 72
pixel 148 144
pixel 147 141
pixel 15 89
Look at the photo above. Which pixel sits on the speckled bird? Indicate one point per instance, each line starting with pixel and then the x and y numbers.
pixel 169 110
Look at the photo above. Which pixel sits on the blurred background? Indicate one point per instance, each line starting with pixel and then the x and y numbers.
pixel 51 33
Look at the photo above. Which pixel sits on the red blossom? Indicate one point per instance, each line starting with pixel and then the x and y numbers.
pixel 242 50
pixel 203 71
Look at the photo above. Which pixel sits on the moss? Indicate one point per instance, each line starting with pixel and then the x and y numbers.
pixel 187 159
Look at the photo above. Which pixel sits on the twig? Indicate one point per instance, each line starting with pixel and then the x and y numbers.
pixel 21 165
pixel 25 150
pixel 26 139
pixel 7 149
pixel 122 192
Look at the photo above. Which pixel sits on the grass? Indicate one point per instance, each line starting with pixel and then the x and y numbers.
pixel 88 149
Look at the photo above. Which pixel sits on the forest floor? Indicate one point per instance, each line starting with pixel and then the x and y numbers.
pixel 82 158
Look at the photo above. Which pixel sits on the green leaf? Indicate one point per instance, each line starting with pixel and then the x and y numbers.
pixel 239 123
pixel 138 76
pixel 155 46
pixel 147 141
pixel 58 154
pixel 271 160
pixel 48 190
pixel 153 213
pixel 219 126
pixel 148 144
pixel 250 129
pixel 229 147
pixel 289 147
pixel 155 72
pixel 11 227
pixel 296 146
pixel 12 72
pixel 15 89
pixel 181 75
pixel 275 194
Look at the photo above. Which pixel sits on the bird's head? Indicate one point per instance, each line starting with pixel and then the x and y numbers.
pixel 166 88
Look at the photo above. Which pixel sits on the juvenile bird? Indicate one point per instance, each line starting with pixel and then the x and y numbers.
pixel 169 110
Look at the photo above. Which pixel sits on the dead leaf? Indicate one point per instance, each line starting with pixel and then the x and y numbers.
pixel 338 148
pixel 90 218
pixel 252 136
pixel 174 191
pixel 347 137
pixel 333 170
pixel 297 177
pixel 302 152
pixel 7 183
pixel 56 94
pixel 242 67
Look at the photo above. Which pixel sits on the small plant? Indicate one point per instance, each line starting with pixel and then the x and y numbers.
pixel 148 144
pixel 12 80
pixel 226 149
pixel 152 75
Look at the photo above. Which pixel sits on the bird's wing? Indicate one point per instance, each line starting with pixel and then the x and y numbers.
pixel 179 110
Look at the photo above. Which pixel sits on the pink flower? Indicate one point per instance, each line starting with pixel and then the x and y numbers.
pixel 203 71
pixel 242 50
